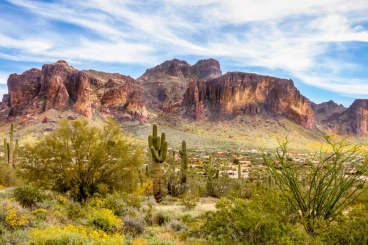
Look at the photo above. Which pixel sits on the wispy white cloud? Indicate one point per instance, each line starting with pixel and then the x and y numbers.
pixel 3 77
pixel 296 36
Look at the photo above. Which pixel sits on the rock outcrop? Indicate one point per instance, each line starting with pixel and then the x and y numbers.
pixel 358 116
pixel 61 86
pixel 167 82
pixel 247 93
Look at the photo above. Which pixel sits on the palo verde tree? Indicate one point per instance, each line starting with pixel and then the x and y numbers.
pixel 328 186
pixel 81 159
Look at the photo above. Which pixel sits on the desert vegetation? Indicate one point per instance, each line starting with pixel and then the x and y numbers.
pixel 82 184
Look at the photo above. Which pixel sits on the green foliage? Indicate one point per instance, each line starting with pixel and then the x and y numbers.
pixel 189 201
pixel 75 211
pixel 331 187
pixel 105 220
pixel 81 160
pixel 162 218
pixel 28 196
pixel 264 219
pixel 8 176
pixel 350 228
pixel 134 226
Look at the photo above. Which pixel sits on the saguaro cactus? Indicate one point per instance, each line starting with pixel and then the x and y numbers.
pixel 259 179
pixel 11 149
pixel 184 161
pixel 16 151
pixel 6 158
pixel 158 150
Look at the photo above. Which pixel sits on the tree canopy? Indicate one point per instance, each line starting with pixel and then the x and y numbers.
pixel 80 159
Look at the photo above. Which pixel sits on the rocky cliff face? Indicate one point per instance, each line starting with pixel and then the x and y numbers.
pixel 245 93
pixel 59 86
pixel 358 116
pixel 167 82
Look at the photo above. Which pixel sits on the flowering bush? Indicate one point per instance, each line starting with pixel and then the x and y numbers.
pixel 40 213
pixel 104 219
pixel 12 218
pixel 74 235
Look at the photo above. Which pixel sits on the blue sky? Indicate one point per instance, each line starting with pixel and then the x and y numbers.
pixel 321 44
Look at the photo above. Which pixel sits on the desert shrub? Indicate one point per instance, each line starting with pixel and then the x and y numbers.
pixel 28 196
pixel 161 242
pixel 75 211
pixel 162 218
pixel 134 226
pixel 133 201
pixel 148 215
pixel 189 201
pixel 187 218
pixel 18 236
pixel 10 216
pixel 46 204
pixel 348 228
pixel 330 190
pixel 264 219
pixel 176 226
pixel 109 202
pixel 40 213
pixel 8 176
pixel 105 220
pixel 73 235
pixel 56 217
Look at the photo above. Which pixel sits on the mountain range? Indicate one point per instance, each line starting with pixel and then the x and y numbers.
pixel 174 93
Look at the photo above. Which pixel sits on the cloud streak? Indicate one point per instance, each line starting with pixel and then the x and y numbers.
pixel 298 39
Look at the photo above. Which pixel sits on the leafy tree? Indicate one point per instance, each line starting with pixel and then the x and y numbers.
pixel 327 187
pixel 81 159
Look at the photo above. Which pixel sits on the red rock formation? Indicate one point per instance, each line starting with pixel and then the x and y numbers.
pixel 168 81
pixel 237 93
pixel 59 84
pixel 79 89
pixel 358 116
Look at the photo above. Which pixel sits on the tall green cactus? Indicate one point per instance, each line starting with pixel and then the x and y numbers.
pixel 16 151
pixel 11 149
pixel 158 150
pixel 184 161
pixel 269 181
pixel 6 158
pixel 259 179
pixel 8 149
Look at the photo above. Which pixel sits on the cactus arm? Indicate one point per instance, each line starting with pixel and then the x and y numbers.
pixel 164 151
pixel 154 154
pixel 158 143
pixel 150 141
pixel 154 134
pixel 181 152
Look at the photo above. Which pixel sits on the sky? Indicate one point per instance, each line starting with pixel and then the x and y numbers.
pixel 322 45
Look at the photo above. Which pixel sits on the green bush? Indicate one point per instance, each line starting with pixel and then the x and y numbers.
pixel 28 196
pixel 348 228
pixel 264 219
pixel 8 176
pixel 188 201
pixel 134 226
pixel 161 218
pixel 75 211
